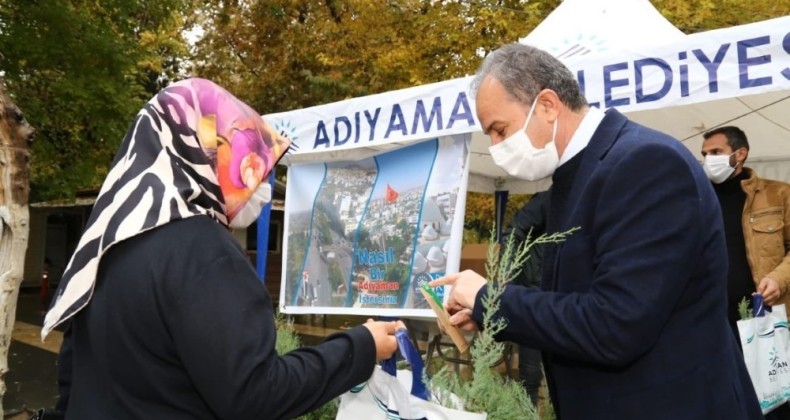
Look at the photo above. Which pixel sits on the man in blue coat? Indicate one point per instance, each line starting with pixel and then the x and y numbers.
pixel 631 317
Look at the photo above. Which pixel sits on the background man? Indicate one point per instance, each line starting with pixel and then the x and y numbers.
pixel 631 318
pixel 756 214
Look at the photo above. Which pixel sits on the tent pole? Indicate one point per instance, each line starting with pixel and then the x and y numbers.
pixel 263 234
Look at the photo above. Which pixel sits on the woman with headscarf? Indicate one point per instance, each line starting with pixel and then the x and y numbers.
pixel 168 317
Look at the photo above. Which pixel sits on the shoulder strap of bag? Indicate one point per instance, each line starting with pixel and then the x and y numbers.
pixel 758 306
pixel 413 358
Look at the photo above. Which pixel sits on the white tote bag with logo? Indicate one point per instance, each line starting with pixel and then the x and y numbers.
pixel 765 341
pixel 397 395
pixel 779 317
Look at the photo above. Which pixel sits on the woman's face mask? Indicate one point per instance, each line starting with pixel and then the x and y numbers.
pixel 250 211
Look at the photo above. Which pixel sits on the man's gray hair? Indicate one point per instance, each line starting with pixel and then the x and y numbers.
pixel 524 71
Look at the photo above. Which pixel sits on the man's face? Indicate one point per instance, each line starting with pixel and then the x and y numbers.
pixel 717 145
pixel 501 115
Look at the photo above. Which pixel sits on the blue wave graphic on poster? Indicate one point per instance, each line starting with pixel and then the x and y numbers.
pixel 366 232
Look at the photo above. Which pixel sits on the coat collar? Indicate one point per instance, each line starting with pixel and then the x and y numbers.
pixel 752 182
pixel 601 142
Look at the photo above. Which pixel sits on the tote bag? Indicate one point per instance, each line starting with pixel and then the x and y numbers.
pixel 398 394
pixel 765 341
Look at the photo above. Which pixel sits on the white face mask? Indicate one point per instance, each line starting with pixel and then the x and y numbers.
pixel 717 167
pixel 250 211
pixel 519 158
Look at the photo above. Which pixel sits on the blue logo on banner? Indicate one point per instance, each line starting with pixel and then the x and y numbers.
pixel 424 278
pixel 581 44
pixel 286 130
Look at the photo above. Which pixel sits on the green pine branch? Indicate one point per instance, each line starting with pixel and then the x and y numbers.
pixel 744 309
pixel 488 391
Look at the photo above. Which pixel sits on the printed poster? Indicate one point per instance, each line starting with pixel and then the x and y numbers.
pixel 363 235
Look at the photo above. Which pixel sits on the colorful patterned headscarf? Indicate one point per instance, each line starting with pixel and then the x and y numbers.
pixel 194 149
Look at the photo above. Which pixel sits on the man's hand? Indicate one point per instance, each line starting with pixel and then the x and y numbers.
pixel 384 336
pixel 463 320
pixel 769 288
pixel 461 300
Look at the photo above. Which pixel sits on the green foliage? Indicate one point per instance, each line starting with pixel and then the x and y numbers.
pixel 287 339
pixel 692 16
pixel 327 411
pixel 479 215
pixel 80 70
pixel 548 412
pixel 744 309
pixel 488 391
pixel 505 265
pixel 287 55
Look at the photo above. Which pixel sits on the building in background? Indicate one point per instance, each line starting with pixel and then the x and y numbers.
pixel 56 227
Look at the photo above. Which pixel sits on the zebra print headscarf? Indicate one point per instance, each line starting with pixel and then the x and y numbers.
pixel 194 149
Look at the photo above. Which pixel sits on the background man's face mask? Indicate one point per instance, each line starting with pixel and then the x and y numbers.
pixel 717 167
pixel 519 158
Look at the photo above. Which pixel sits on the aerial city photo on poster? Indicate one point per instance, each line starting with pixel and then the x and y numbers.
pixel 365 234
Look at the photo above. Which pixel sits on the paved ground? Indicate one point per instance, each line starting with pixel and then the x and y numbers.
pixel 32 377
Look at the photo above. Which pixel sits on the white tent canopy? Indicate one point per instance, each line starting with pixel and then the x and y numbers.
pixel 625 55
pixel 581 27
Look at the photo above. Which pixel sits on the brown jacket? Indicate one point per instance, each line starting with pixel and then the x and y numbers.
pixel 766 230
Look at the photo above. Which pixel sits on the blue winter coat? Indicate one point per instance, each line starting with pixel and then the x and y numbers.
pixel 633 324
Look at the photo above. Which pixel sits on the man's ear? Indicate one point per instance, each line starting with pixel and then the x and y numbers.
pixel 549 103
pixel 742 154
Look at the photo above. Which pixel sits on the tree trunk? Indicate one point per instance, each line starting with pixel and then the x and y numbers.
pixel 15 136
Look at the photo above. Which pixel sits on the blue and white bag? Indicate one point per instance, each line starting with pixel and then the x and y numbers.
pixel 766 347
pixel 398 394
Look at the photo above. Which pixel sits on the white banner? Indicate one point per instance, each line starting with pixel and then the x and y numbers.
pixel 363 235
pixel 399 116
pixel 725 63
